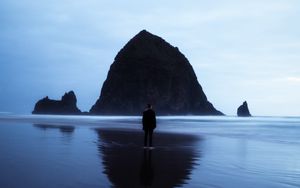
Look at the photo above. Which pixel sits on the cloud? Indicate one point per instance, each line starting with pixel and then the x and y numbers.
pixel 230 43
pixel 294 79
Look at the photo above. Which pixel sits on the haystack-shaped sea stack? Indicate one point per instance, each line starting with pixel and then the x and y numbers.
pixel 150 70
pixel 243 110
pixel 67 105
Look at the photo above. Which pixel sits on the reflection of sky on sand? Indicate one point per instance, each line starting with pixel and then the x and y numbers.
pixel 128 165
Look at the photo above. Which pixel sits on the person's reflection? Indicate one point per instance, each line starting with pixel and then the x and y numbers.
pixel 147 173
pixel 127 164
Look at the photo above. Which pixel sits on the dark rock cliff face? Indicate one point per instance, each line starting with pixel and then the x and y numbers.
pixel 243 110
pixel 67 105
pixel 150 70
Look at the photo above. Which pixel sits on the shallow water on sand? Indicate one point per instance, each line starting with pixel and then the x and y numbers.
pixel 190 151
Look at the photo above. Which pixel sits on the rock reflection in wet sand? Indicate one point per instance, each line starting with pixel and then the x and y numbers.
pixel 127 164
pixel 62 128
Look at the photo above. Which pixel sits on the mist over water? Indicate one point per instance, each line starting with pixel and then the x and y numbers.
pixel 190 151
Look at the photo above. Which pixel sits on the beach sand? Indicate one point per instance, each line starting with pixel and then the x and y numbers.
pixel 190 152
pixel 128 164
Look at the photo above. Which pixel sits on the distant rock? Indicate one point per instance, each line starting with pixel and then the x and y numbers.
pixel 67 105
pixel 150 70
pixel 243 110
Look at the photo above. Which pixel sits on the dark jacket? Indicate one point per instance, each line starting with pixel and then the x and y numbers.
pixel 149 119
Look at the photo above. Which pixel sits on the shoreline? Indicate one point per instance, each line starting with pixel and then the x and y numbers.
pixel 188 152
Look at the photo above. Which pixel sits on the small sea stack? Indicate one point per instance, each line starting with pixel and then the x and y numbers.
pixel 66 106
pixel 243 110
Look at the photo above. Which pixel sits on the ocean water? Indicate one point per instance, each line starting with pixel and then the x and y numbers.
pixel 190 151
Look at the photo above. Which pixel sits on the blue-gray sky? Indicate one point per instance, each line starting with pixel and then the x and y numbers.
pixel 240 50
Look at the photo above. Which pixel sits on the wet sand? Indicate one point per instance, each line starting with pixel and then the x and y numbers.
pixel 190 152
pixel 128 164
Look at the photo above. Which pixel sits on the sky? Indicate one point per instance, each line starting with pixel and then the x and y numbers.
pixel 240 50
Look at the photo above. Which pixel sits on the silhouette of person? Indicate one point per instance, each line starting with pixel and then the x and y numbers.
pixel 149 124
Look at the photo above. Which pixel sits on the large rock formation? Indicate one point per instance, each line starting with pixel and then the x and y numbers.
pixel 150 70
pixel 67 105
pixel 243 110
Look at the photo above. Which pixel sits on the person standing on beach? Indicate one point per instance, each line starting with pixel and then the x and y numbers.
pixel 149 124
